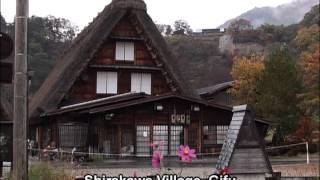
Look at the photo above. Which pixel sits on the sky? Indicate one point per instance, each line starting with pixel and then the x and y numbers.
pixel 200 14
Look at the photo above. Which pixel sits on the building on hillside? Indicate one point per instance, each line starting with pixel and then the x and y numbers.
pixel 117 89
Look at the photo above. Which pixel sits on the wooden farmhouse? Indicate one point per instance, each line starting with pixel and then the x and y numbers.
pixel 117 89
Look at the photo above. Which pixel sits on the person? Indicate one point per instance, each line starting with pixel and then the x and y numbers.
pixel 51 151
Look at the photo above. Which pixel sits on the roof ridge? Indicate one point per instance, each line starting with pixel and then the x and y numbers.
pixel 131 4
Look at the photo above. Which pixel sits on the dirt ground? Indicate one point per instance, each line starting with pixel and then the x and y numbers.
pixel 297 170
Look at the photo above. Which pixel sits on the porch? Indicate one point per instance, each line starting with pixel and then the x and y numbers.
pixel 130 125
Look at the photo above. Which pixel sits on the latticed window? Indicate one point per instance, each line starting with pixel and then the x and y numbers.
pixel 160 136
pixel 214 134
pixel 221 134
pixel 143 140
pixel 176 138
pixel 210 135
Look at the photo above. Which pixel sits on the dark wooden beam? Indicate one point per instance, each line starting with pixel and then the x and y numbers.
pixel 125 67
pixel 127 38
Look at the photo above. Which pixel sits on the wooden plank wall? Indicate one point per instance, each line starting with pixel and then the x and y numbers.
pixel 84 88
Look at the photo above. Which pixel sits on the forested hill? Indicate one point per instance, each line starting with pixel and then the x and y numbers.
pixel 48 37
pixel 286 14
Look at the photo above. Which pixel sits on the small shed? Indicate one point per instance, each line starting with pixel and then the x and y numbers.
pixel 243 152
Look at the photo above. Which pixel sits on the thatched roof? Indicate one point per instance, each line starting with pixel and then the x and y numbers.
pixel 76 58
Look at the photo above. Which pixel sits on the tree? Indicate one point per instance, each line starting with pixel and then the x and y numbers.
pixel 277 91
pixel 182 27
pixel 246 72
pixel 312 17
pixel 239 25
pixel 309 62
pixel 305 129
pixel 307 36
pixel 164 29
pixel 47 38
pixel 168 30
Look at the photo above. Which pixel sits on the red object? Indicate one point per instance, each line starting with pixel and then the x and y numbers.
pixel 225 171
pixel 156 159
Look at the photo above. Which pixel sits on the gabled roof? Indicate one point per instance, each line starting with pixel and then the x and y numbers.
pixel 244 150
pixel 76 58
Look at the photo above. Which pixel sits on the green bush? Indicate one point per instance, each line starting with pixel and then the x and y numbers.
pixel 44 171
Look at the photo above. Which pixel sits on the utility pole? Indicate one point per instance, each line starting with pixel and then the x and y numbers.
pixel 20 103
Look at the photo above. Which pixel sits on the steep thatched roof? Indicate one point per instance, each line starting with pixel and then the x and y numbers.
pixel 85 46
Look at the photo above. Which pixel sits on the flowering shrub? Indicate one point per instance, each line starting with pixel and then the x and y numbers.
pixel 224 171
pixel 186 154
pixel 156 159
pixel 157 155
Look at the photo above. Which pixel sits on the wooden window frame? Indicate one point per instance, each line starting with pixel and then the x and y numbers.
pixel 125 47
pixel 108 82
pixel 140 77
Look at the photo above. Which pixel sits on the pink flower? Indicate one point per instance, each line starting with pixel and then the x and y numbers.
pixel 186 154
pixel 225 171
pixel 156 159
pixel 155 146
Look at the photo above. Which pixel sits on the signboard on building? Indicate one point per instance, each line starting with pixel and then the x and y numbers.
pixel 180 119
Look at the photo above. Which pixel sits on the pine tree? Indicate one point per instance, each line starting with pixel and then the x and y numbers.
pixel 277 92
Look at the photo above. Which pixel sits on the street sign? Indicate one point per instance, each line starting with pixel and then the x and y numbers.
pixel 6 46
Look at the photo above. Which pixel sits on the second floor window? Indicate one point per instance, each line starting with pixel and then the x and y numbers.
pixel 124 51
pixel 141 82
pixel 107 82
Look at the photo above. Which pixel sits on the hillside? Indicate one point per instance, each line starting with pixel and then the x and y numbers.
pixel 200 61
pixel 285 14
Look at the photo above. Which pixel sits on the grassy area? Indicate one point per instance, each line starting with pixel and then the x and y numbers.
pixel 44 171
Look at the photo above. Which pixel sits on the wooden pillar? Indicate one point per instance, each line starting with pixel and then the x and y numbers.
pixel 20 109
pixel 119 138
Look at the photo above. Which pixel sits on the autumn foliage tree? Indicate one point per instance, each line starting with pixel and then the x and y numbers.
pixel 309 62
pixel 246 72
pixel 270 86
pixel 307 36
pixel 306 127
